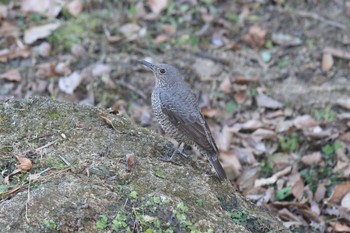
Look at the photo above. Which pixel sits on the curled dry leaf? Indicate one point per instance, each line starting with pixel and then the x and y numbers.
pixel 267 102
pixel 285 39
pixel 44 49
pixel 345 202
pixel 70 83
pixel 157 5
pixel 12 75
pixel 226 85
pixel 130 31
pixel 75 7
pixel 131 161
pixel 25 163
pixel 304 122
pixel 255 37
pixel 33 34
pixel 272 179
pixel 339 192
pixel 313 158
pixel 265 133
pixel 327 62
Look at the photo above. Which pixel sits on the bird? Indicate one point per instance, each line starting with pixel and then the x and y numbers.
pixel 176 109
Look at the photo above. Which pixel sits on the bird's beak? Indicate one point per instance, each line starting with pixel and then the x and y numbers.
pixel 148 65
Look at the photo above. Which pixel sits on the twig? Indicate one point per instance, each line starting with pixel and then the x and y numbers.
pixel 47 145
pixel 307 14
pixel 132 88
pixel 65 161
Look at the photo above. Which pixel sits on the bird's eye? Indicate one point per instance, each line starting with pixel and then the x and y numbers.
pixel 162 71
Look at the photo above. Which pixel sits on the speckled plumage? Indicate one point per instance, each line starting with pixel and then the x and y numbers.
pixel 176 110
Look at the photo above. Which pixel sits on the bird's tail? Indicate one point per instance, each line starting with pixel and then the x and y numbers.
pixel 213 160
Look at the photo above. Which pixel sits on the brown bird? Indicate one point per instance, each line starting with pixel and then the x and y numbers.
pixel 176 109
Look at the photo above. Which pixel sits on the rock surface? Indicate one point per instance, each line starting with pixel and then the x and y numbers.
pixel 92 175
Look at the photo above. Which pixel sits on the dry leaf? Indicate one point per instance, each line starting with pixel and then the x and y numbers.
pixel 320 193
pixel 12 75
pixel 48 7
pixel 45 70
pixel 210 112
pixel 243 80
pixel 75 7
pixel 226 85
pixel 70 83
pixel 272 179
pixel 327 62
pixel 7 54
pixel 25 163
pixel 161 38
pixel 304 122
pixel 265 134
pixel 251 125
pixel 225 138
pixel 338 227
pixel 255 37
pixel 313 158
pixel 130 31
pixel 231 165
pixel 33 34
pixel 267 102
pixel 8 29
pixel 345 103
pixel 44 49
pixel 240 96
pixel 345 202
pixel 130 161
pixel 339 192
pixel 298 189
pixel 157 5
pixel 62 69
pixel 99 70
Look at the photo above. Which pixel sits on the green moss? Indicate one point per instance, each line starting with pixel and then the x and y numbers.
pixel 75 30
pixel 50 224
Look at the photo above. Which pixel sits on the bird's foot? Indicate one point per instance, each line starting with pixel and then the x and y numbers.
pixel 172 157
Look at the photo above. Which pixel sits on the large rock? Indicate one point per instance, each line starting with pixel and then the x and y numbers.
pixel 86 181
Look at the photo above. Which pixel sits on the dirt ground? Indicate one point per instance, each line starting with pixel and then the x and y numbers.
pixel 272 77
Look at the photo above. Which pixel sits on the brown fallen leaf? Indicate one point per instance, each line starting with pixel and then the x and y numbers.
pixel 339 192
pixel 45 70
pixel 25 163
pixel 304 121
pixel 255 37
pixel 267 102
pixel 345 202
pixel 210 112
pixel 265 133
pixel 226 85
pixel 327 62
pixel 157 5
pixel 69 83
pixel 130 161
pixel 338 227
pixel 313 158
pixel 12 75
pixel 240 96
pixel 240 79
pixel 320 193
pixel 298 189
pixel 231 164
pixel 38 32
pixel 225 138
pixel 74 7
pixel 49 7
pixel 272 179
pixel 8 29
pixel 345 103
pixel 7 54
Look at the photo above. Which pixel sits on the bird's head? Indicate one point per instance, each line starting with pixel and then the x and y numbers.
pixel 165 74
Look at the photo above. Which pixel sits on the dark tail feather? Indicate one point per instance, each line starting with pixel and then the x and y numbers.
pixel 218 168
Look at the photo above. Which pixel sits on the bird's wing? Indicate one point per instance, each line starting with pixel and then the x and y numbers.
pixel 182 110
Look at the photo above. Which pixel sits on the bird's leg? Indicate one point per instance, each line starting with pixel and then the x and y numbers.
pixel 178 150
